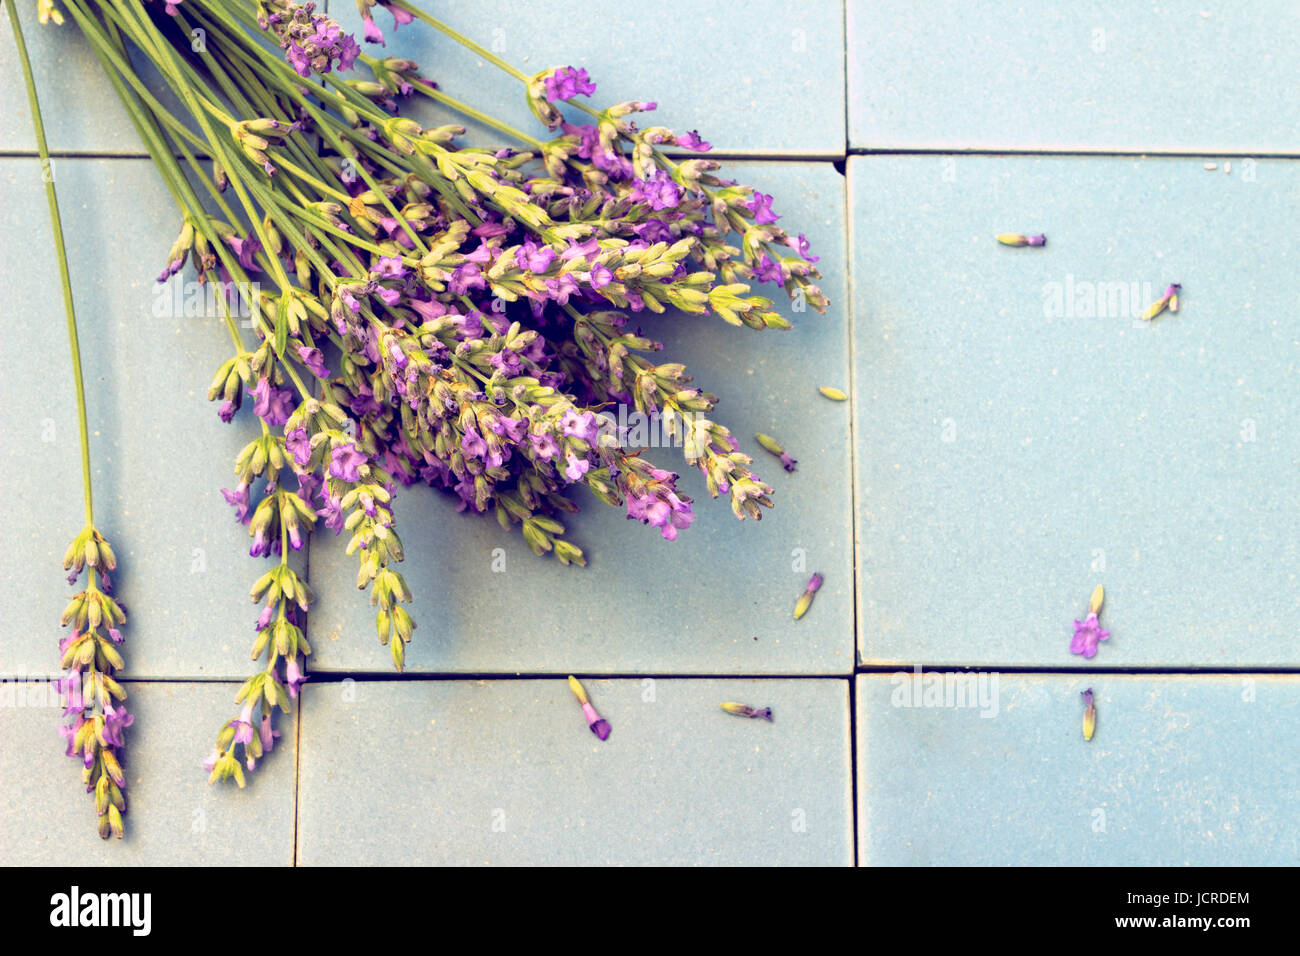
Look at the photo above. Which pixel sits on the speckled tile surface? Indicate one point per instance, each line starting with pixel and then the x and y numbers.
pixel 161 454
pixel 1181 771
pixel 173 817
pixel 1181 76
pixel 719 599
pixel 506 773
pixel 1022 437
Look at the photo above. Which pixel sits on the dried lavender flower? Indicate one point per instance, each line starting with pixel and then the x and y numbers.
pixel 743 710
pixel 598 725
pixel 1167 301
pixel 770 444
pixel 806 598
pixel 1089 715
pixel 1016 239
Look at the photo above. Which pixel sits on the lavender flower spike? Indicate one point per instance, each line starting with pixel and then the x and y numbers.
pixel 598 725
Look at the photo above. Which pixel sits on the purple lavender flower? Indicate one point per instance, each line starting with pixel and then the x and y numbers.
pixel 567 82
pixel 761 206
pixel 266 734
pixel 507 361
pixel 653 230
pixel 312 41
pixel 244 725
pixel 115 721
pixel 544 446
pixel 1087 634
pixel 346 461
pixel 535 258
pixel 331 512
pixel 314 359
pixel 400 17
pixel 655 502
pixel 294 678
pixel 577 467
pixel 390 267
pixel 69 733
pixel 247 250
pixel 768 270
pixel 271 404
pixel 239 500
pixel 562 287
pixel 473 444
pixel 298 444
pixel 659 191
pixel 801 245
pixel 70 684
pixel 299 59
pixel 693 142
pixel 465 277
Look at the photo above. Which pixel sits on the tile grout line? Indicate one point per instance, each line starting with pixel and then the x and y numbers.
pixel 301 716
pixel 850 329
pixel 1064 151
pixel 853 454
pixel 865 670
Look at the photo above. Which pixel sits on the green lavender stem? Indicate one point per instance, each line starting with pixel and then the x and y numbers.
pixel 56 223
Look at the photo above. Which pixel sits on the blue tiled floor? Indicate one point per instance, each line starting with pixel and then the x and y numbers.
pixel 1004 451
pixel 160 451
pixel 1018 445
pixel 1182 770
pixel 174 817
pixel 505 772
pixel 1177 76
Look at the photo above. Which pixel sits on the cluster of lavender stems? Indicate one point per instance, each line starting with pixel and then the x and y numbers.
pixel 424 312
pixel 94 714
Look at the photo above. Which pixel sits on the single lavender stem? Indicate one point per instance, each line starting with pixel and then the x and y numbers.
pixel 56 224
pixel 460 38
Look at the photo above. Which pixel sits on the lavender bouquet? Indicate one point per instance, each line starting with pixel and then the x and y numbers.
pixel 427 312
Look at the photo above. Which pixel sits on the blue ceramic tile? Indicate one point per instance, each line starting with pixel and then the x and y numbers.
pixel 160 452
pixel 174 818
pixel 1182 770
pixel 1178 76
pixel 717 600
pixel 1021 437
pixel 506 772
pixel 769 84
pixel 80 108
